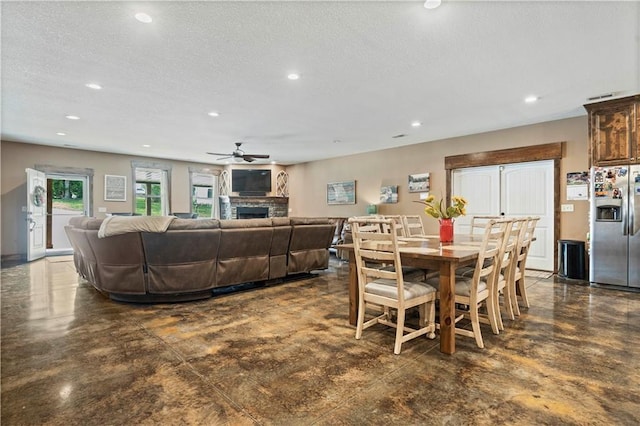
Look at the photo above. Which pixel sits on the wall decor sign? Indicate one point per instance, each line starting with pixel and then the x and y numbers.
pixel 341 192
pixel 419 182
pixel 389 194
pixel 115 188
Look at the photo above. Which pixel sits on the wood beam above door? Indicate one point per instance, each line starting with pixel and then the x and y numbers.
pixel 549 151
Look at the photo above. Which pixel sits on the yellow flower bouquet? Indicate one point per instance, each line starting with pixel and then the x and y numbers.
pixel 435 208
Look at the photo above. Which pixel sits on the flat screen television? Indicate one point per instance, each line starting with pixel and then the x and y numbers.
pixel 251 181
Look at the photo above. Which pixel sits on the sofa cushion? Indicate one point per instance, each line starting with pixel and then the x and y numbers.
pixel 185 224
pixel 181 261
pixel 310 221
pixel 244 223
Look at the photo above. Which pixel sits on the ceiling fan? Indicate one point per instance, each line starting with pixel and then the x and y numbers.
pixel 239 155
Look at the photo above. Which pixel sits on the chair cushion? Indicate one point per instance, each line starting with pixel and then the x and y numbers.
pixel 388 288
pixel 406 270
pixel 463 285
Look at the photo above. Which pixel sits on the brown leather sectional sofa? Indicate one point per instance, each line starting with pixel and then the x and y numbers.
pixel 193 257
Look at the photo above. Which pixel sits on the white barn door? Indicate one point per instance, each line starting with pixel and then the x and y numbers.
pixel 480 186
pixel 527 190
pixel 522 189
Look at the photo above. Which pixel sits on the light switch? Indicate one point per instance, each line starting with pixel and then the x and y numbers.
pixel 566 207
pixel 102 209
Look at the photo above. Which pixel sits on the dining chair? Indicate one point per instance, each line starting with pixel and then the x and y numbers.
pixel 387 287
pixel 505 283
pixel 399 225
pixel 412 225
pixel 477 223
pixel 522 250
pixel 472 292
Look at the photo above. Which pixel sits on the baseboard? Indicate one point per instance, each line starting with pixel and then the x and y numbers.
pixel 9 260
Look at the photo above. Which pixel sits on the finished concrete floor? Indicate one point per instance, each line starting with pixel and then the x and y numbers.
pixel 285 355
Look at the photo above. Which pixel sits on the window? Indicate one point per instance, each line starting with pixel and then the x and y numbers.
pixel 151 190
pixel 204 195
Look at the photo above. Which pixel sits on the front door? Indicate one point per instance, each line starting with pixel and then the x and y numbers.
pixel 67 196
pixel 36 214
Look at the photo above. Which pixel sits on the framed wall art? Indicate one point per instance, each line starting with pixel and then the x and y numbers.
pixel 419 183
pixel 389 194
pixel 115 188
pixel 341 192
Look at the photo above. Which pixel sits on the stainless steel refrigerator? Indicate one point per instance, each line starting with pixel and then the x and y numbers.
pixel 615 226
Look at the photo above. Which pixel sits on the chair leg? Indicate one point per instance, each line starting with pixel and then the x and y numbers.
pixel 430 314
pixel 491 313
pixel 399 331
pixel 514 299
pixel 423 315
pixel 360 323
pixel 475 325
pixel 498 314
pixel 523 290
pixel 508 289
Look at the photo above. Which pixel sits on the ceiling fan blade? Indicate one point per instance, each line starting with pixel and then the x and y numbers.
pixel 248 158
pixel 219 153
pixel 257 155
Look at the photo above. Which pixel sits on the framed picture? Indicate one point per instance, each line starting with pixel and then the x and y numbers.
pixel 341 192
pixel 389 194
pixel 115 188
pixel 419 183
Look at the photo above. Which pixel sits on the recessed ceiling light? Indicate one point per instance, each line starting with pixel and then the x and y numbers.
pixel 61 134
pixel 214 114
pixel 416 124
pixel 72 117
pixel 432 4
pixel 293 76
pixel 273 162
pixel 143 17
pixel 93 86
pixel 531 99
pixel 146 146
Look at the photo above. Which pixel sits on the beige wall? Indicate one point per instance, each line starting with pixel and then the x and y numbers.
pixel 16 157
pixel 307 182
pixel 392 167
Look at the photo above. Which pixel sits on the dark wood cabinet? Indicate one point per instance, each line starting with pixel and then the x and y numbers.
pixel 614 131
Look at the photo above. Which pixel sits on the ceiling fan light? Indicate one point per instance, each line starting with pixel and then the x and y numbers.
pixel 237 159
pixel 432 4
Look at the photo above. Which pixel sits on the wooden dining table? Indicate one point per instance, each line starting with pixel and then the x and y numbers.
pixel 426 252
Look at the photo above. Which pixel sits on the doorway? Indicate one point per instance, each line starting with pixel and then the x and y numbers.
pixel 549 183
pixel 67 196
pixel 523 189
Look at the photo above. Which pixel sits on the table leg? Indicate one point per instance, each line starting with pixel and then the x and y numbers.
pixel 353 289
pixel 447 308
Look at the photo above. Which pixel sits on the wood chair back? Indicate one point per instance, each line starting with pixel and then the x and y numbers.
pixel 412 225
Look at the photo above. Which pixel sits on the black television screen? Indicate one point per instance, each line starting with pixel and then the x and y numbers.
pixel 251 180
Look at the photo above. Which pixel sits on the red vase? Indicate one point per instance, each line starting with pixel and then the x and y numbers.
pixel 446 230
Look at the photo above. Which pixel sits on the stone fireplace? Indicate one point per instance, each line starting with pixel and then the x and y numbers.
pixel 252 212
pixel 253 207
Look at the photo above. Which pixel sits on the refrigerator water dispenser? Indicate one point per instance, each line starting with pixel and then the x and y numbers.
pixel 609 210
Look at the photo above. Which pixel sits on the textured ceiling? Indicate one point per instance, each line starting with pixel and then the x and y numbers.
pixel 368 69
